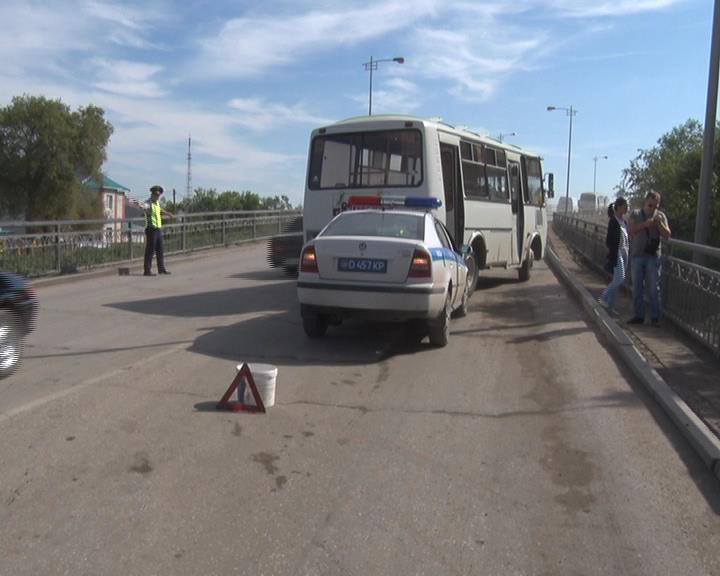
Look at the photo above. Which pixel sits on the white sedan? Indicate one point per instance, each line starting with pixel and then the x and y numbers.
pixel 389 265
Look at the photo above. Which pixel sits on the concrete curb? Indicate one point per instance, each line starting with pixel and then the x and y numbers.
pixel 701 438
pixel 134 265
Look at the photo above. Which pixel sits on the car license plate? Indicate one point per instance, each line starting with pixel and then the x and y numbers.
pixel 362 265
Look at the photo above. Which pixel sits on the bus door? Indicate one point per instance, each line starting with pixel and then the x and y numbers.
pixel 452 184
pixel 518 209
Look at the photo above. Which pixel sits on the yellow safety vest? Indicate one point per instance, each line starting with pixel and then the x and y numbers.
pixel 154 214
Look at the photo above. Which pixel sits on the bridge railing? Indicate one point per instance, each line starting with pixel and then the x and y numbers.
pixel 690 291
pixel 41 248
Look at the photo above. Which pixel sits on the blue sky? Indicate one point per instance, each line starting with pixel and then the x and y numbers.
pixel 250 80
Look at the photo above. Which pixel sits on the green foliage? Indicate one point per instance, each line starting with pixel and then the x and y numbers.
pixel 672 167
pixel 45 151
pixel 208 200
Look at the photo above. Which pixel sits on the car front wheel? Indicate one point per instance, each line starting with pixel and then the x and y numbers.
pixel 10 343
pixel 439 330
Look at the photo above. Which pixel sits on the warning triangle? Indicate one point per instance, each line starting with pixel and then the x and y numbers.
pixel 236 406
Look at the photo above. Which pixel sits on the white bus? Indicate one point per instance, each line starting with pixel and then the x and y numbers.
pixel 492 193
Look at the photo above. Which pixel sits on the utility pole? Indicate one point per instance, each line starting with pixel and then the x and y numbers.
pixel 595 160
pixel 704 202
pixel 188 186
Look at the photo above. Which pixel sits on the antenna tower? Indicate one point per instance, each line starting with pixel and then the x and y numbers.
pixel 188 186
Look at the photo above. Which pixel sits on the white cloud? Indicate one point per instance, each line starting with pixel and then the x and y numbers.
pixel 128 78
pixel 395 95
pixel 608 8
pixel 473 59
pixel 250 45
pixel 117 14
pixel 258 114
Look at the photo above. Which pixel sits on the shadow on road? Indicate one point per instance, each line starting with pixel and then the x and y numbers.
pixel 273 332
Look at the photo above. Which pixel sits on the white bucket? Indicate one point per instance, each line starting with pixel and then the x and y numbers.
pixel 265 376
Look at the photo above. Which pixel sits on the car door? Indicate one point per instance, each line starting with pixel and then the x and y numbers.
pixel 451 261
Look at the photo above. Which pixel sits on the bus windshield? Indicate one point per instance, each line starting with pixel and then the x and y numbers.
pixel 375 159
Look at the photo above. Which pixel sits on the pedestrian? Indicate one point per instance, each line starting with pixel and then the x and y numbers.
pixel 648 225
pixel 618 246
pixel 153 232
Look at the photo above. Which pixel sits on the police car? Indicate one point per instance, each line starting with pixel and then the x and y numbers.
pixel 385 258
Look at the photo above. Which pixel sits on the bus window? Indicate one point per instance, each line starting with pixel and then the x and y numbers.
pixel 474 179
pixel 533 179
pixel 489 156
pixel 448 154
pixel 466 151
pixel 497 184
pixel 373 159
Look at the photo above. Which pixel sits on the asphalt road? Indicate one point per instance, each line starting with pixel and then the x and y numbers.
pixel 521 448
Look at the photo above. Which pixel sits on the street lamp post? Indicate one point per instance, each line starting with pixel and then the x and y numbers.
pixel 372 65
pixel 595 159
pixel 503 134
pixel 570 112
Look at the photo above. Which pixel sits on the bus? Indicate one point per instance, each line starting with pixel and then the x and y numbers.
pixel 493 193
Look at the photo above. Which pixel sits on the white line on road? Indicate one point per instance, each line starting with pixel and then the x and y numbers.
pixel 5 416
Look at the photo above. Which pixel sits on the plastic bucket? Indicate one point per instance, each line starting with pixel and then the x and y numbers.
pixel 265 376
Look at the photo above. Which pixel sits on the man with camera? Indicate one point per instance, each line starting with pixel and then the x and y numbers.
pixel 647 226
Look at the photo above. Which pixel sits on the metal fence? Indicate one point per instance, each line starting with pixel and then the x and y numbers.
pixel 690 291
pixel 67 246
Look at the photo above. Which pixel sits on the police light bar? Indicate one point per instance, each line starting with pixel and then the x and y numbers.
pixel 427 202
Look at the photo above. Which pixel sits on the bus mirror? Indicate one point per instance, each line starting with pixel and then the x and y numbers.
pixel 551 185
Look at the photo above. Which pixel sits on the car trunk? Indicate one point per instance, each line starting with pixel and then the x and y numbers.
pixel 351 258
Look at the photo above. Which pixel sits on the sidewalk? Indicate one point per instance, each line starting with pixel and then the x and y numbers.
pixel 690 370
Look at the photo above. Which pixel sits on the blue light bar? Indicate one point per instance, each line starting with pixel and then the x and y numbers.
pixel 422 202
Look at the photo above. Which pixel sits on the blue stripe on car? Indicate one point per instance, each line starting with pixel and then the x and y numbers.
pixel 446 254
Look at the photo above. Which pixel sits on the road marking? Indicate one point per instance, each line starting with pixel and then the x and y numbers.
pixel 13 412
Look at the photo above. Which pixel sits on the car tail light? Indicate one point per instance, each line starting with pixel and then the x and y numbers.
pixel 308 262
pixel 421 265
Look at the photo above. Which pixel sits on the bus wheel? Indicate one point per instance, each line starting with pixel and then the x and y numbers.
pixel 524 272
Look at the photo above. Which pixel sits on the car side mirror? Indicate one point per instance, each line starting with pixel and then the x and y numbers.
pixel 551 185
pixel 465 249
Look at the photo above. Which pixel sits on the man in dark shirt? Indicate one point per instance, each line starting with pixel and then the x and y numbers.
pixel 647 226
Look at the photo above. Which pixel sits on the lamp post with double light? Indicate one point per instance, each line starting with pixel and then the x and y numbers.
pixel 570 112
pixel 372 65
pixel 595 161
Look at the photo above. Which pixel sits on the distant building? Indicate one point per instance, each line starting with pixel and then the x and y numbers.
pixel 114 198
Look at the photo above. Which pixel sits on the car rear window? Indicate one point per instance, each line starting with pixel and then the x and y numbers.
pixel 385 225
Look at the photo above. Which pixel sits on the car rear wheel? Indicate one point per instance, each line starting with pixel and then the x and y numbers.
pixel 11 343
pixel 315 326
pixel 439 330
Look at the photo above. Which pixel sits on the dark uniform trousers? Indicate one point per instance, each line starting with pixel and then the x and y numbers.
pixel 154 245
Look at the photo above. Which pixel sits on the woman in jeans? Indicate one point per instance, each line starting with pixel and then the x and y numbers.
pixel 618 252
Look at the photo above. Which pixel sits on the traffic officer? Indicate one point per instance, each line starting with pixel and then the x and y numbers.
pixel 153 231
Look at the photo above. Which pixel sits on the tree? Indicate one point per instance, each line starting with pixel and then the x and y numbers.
pixel 672 167
pixel 277 203
pixel 208 200
pixel 45 151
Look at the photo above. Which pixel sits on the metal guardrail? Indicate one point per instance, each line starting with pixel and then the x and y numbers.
pixel 68 246
pixel 690 292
